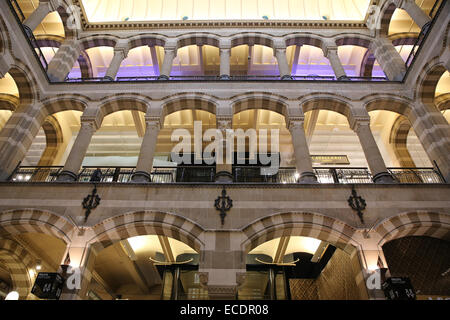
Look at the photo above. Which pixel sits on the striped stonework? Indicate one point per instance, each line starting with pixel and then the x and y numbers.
pixel 17 261
pixel 418 223
pixel 443 101
pixel 147 40
pixel 64 60
pixel 428 80
pixel 198 39
pixel 9 102
pixel 251 39
pixel 404 39
pixel 188 102
pixel 367 64
pixel 19 221
pixel 25 83
pixel 256 100
pixel 353 40
pixel 315 102
pixel 65 15
pixel 386 14
pixel 98 41
pixel 388 58
pixel 147 223
pixel 5 41
pixel 54 138
pixel 395 104
pixel 303 224
pixel 302 39
pixel 398 138
pixel 121 102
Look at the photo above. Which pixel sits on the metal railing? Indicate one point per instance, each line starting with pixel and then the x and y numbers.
pixel 241 174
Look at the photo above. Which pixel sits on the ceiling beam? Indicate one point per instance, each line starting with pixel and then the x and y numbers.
pixel 281 249
pixel 139 123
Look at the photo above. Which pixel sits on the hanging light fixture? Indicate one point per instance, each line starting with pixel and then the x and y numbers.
pixel 13 295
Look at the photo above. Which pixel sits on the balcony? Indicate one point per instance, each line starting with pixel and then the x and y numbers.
pixel 241 174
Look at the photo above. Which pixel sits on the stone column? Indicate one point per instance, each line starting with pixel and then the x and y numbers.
pixel 78 152
pixel 371 151
pixel 169 56
pixel 224 171
pixel 120 53
pixel 331 53
pixel 145 162
pixel 17 135
pixel 6 61
pixel 389 59
pixel 64 60
pixel 77 268
pixel 43 9
pixel 222 264
pixel 303 161
pixel 415 12
pixel 225 54
pixel 283 66
pixel 433 131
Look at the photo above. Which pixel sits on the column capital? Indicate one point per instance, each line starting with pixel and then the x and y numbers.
pixel 89 122
pixel 121 49
pixel 225 44
pixel 328 50
pixel 296 122
pixel 53 4
pixel 224 122
pixel 153 122
pixel 357 122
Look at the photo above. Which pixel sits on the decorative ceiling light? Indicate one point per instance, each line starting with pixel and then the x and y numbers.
pixel 325 17
pixel 126 18
pixel 185 18
pixel 265 17
pixel 13 295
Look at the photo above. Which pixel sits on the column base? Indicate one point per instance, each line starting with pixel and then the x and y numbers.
pixel 343 78
pixel 108 78
pixel 308 178
pixel 67 176
pixel 383 177
pixel 225 77
pixel 286 77
pixel 223 177
pixel 141 177
pixel 163 77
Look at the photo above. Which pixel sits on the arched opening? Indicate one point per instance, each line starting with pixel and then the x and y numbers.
pixel 424 260
pixel 253 60
pixel 147 267
pixel 196 60
pixel 51 25
pixel 442 95
pixel 299 268
pixel 308 60
pixel 9 98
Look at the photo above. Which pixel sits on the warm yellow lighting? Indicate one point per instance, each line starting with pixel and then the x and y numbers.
pixel 13 295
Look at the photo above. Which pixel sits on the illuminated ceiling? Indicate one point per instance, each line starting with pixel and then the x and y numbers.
pixel 169 10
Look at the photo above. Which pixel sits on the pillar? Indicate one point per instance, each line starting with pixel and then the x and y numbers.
pixel 169 56
pixel 331 53
pixel 145 162
pixel 389 59
pixel 6 61
pixel 222 264
pixel 120 53
pixel 224 171
pixel 78 152
pixel 17 135
pixel 64 60
pixel 77 268
pixel 303 161
pixel 433 131
pixel 415 12
pixel 371 151
pixel 283 66
pixel 43 9
pixel 225 54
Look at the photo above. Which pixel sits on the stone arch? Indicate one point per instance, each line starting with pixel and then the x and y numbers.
pixel 304 39
pixel 428 80
pixel 147 40
pixel 5 40
pixel 120 103
pixel 54 138
pixel 252 39
pixel 264 101
pixel 327 102
pixel 386 13
pixel 398 138
pixel 9 102
pixel 24 82
pixel 188 102
pixel 443 101
pixel 141 223
pixel 62 103
pixel 198 39
pixel 417 223
pixel 389 103
pixel 18 261
pixel 19 221
pixel 305 224
pixel 353 40
pixel 98 41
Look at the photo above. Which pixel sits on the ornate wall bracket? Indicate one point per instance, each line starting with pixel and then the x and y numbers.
pixel 91 202
pixel 223 204
pixel 357 203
